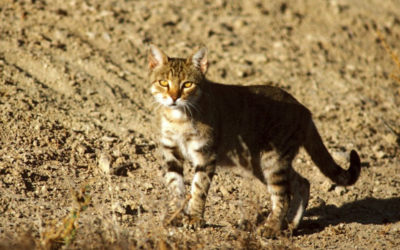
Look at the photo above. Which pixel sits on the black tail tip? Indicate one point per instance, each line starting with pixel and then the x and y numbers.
pixel 355 166
pixel 355 159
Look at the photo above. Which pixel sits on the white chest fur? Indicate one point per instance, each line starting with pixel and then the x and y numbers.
pixel 185 136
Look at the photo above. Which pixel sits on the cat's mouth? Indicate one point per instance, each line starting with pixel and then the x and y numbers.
pixel 173 106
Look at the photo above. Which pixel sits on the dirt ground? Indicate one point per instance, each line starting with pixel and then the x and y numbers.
pixel 74 100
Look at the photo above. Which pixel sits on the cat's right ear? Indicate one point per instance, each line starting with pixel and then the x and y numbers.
pixel 155 57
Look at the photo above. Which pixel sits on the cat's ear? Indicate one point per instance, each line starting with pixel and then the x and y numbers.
pixel 200 59
pixel 155 57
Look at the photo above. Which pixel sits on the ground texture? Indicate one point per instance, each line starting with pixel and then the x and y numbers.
pixel 78 141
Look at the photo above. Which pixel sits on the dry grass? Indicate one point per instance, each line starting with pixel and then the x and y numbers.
pixel 58 234
pixel 396 73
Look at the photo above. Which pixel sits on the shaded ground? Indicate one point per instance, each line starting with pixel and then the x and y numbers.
pixel 74 90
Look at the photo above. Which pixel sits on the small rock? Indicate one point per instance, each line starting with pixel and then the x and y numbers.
pixel 108 139
pixel 327 186
pixel 320 203
pixel 104 163
pixel 117 153
pixel 340 190
pixel 119 208
pixel 172 20
pixel 245 71
pixel 395 226
pixel 377 148
pixel 223 191
pixel 148 186
pixel 390 138
pixel 106 37
pixel 256 58
pixel 81 149
pixel 230 188
pixel 91 35
pixel 120 161
pixel 239 23
pixel 38 127
pixel 380 154
pixel 340 157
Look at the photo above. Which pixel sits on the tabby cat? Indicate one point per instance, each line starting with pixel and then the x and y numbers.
pixel 260 128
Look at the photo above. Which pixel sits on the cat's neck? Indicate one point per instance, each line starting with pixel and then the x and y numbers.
pixel 177 114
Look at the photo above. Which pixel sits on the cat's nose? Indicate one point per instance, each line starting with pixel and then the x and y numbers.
pixel 174 97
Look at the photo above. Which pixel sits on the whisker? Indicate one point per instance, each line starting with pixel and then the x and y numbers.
pixel 188 108
pixel 156 108
pixel 196 108
pixel 154 102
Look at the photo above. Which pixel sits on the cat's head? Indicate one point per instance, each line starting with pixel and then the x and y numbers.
pixel 177 83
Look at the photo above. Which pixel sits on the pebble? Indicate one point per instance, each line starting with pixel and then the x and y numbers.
pixel 327 186
pixel 119 208
pixel 340 190
pixel 120 161
pixel 340 157
pixel 256 58
pixel 104 163
pixel 390 138
pixel 38 127
pixel 319 202
pixel 117 153
pixel 380 154
pixel 106 37
pixel 108 139
pixel 223 191
pixel 395 226
pixel 245 71
pixel 148 186
pixel 81 149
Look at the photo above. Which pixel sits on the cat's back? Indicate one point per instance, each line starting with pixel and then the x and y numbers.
pixel 256 98
pixel 260 115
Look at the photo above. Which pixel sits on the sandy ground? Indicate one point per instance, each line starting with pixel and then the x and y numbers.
pixel 74 96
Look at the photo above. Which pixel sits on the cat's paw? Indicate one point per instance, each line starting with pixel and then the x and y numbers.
pixel 268 232
pixel 193 222
pixel 174 219
pixel 245 225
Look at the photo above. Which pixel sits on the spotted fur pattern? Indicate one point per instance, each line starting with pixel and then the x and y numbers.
pixel 260 128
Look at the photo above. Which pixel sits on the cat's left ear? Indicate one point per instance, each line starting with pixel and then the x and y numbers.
pixel 200 59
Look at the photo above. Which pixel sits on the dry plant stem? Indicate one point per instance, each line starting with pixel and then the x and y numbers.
pixel 179 210
pixel 114 218
pixel 66 232
pixel 390 127
pixel 394 57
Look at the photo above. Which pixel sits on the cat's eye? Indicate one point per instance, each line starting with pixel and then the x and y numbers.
pixel 163 83
pixel 188 85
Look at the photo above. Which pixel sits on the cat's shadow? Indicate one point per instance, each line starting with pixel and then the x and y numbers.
pixel 367 211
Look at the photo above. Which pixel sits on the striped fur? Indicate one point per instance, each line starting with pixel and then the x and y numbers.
pixel 260 128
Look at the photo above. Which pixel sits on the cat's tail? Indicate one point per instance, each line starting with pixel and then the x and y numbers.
pixel 324 161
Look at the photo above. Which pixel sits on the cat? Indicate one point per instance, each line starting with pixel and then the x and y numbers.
pixel 260 128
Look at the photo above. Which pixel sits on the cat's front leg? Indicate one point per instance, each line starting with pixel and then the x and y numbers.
pixel 199 190
pixel 204 162
pixel 173 161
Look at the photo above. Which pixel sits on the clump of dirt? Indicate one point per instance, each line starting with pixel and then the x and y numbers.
pixel 74 93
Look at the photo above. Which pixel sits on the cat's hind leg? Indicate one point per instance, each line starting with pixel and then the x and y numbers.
pixel 276 176
pixel 300 190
